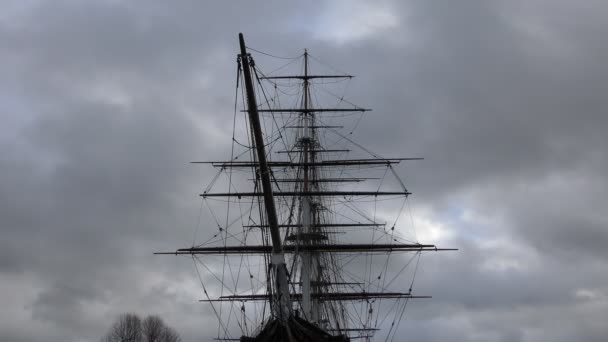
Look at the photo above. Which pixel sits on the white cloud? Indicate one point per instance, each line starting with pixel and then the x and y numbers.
pixel 346 21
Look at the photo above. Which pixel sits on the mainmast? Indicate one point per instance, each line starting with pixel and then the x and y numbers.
pixel 308 263
pixel 281 302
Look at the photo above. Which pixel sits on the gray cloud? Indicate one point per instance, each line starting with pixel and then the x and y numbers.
pixel 105 104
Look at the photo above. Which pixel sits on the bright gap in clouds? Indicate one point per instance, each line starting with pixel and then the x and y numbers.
pixel 345 21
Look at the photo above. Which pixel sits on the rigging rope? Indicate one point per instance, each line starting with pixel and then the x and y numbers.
pixel 219 317
pixel 271 55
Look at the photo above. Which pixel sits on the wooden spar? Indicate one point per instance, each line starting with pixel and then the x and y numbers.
pixel 339 162
pixel 324 296
pixel 355 329
pixel 319 225
pixel 336 248
pixel 323 180
pixel 308 193
pixel 315 127
pixel 314 151
pixel 305 77
pixel 282 306
pixel 312 110
pixel 308 267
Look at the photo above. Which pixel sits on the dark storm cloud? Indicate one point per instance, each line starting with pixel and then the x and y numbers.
pixel 106 102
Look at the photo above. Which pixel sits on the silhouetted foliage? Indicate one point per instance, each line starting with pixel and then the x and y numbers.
pixel 130 328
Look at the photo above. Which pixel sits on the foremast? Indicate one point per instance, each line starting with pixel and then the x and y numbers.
pixel 281 304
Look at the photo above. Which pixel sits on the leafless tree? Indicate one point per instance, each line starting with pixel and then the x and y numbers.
pixel 127 328
pixel 170 335
pixel 130 328
pixel 153 329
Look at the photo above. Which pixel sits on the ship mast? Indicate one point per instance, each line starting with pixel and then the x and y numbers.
pixel 281 302
pixel 307 177
pixel 307 272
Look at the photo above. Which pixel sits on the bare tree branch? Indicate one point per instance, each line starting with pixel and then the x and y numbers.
pixel 126 329
pixel 129 328
pixel 153 328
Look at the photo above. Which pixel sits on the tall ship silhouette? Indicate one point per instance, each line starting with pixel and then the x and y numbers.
pixel 309 237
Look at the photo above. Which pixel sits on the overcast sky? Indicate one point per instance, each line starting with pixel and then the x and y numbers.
pixel 104 103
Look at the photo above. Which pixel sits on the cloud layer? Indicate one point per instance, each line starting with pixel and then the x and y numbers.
pixel 105 103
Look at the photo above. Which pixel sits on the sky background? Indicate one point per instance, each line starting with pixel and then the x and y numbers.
pixel 104 103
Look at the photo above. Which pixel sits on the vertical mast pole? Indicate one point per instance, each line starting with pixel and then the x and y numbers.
pixel 308 304
pixel 281 302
